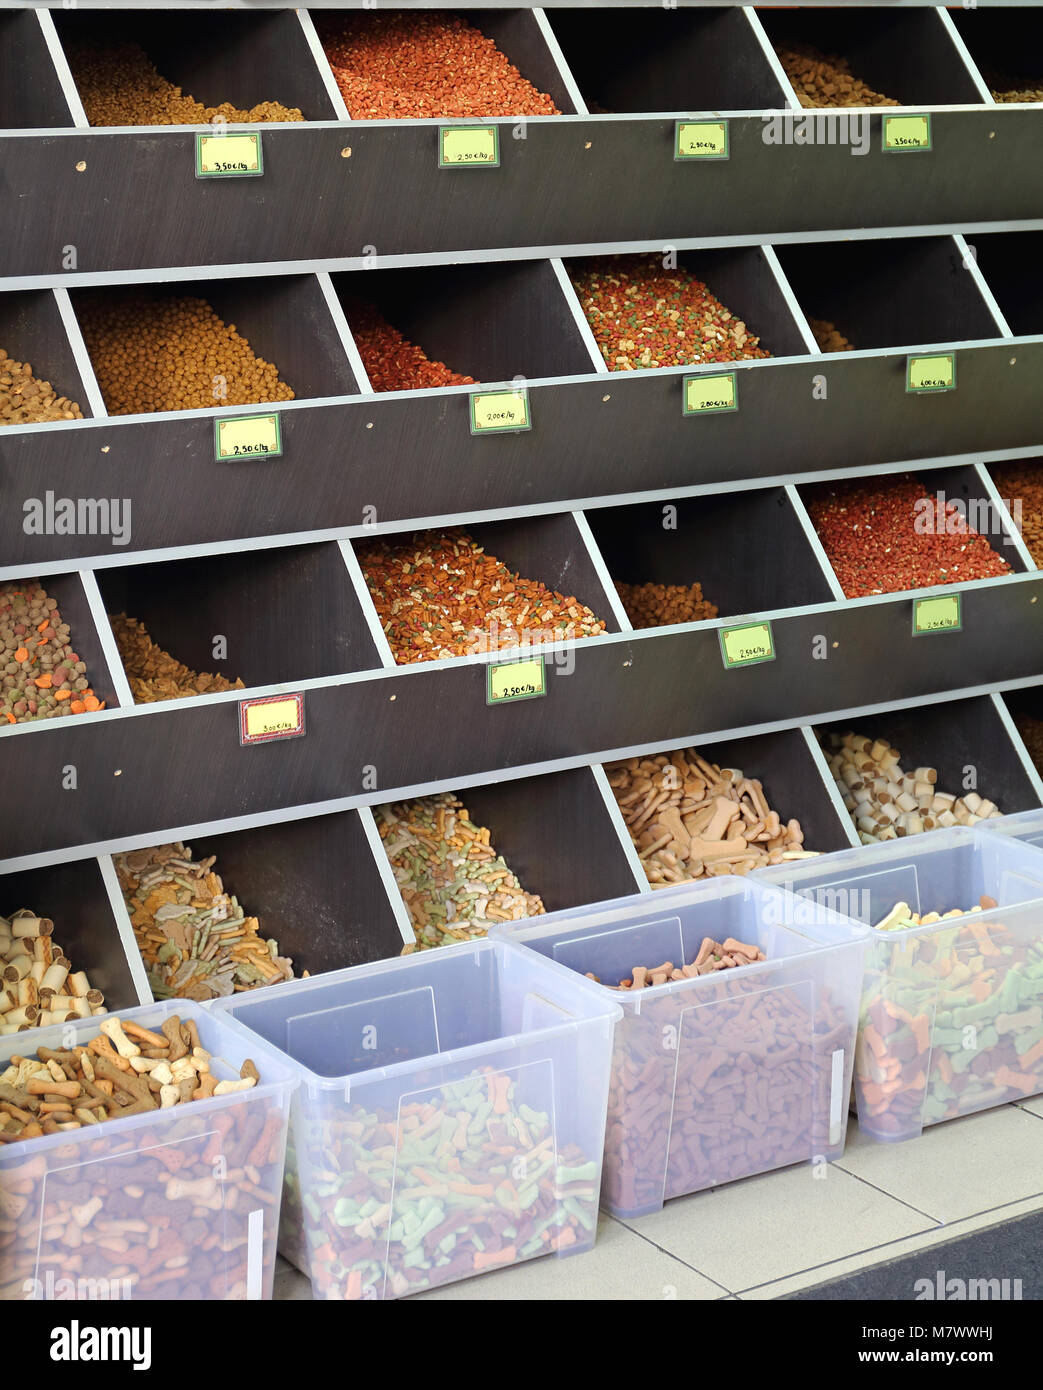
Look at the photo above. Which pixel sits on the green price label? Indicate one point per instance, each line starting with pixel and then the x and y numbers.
pixel 496 412
pixel 937 615
pixel 701 140
pixel 247 437
pixel 225 156
pixel 746 646
pixel 468 147
pixel 706 395
pixel 516 680
pixel 904 133
pixel 934 373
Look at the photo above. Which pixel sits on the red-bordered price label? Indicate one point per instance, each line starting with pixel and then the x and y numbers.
pixel 270 717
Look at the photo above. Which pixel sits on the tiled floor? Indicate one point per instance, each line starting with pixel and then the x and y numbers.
pixel 773 1235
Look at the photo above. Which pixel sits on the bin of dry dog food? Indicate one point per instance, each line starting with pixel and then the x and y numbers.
pixel 951 1007
pixel 450 1120
pixel 141 1157
pixel 735 1051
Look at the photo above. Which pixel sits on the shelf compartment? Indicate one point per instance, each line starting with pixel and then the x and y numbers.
pixel 907 55
pixel 546 549
pixel 882 294
pixel 515 32
pixel 967 741
pixel 646 59
pixel 1010 263
pixel 286 320
pixel 30 91
pixel 531 820
pixel 718 541
pixel 240 59
pixel 76 898
pixel 1000 41
pixel 492 322
pixel 285 615
pixel 314 886
pixel 31 330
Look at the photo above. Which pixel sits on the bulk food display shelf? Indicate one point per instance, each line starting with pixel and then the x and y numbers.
pixel 931 253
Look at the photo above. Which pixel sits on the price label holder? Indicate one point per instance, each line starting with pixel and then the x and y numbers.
pixel 942 614
pixel 468 147
pixel 708 395
pixel 270 717
pixel 516 680
pixel 936 372
pixel 701 140
pixel 235 155
pixel 903 134
pixel 247 437
pixel 747 645
pixel 499 412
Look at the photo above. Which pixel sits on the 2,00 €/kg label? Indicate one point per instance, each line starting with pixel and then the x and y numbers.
pixel 270 717
pixel 706 395
pixel 226 156
pixel 496 412
pixel 516 680
pixel 247 437
pixel 746 645
pixel 941 614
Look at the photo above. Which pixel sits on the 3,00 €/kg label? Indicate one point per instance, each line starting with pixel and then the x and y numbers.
pixel 746 645
pixel 226 156
pixel 247 437
pixel 270 717
pixel 516 680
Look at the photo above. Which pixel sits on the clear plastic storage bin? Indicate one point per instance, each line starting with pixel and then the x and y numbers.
pixel 451 1117
pixel 722 1075
pixel 952 1012
pixel 1026 826
pixel 177 1204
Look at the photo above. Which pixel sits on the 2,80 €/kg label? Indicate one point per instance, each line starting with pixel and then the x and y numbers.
pixel 247 437
pixel 228 156
pixel 934 373
pixel 701 140
pixel 496 412
pixel 941 614
pixel 468 147
pixel 515 680
pixel 270 717
pixel 900 134
pixel 706 395
pixel 746 645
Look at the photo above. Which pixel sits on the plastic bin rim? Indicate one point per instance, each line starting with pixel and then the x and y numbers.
pixel 190 1008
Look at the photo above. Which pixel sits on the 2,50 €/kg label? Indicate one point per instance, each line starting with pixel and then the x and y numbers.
pixel 247 437
pixel 941 614
pixel 226 156
pixel 516 680
pixel 468 147
pixel 746 645
pixel 701 140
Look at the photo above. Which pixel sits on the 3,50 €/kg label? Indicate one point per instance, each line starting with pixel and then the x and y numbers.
pixel 516 680
pixel 225 156
pixel 247 437
pixel 746 645
pixel 904 133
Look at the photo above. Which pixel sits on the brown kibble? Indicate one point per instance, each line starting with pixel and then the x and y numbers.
pixel 659 605
pixel 30 402
pixel 825 79
pixel 154 674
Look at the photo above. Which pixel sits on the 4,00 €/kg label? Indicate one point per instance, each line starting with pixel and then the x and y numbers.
pixel 247 437
pixel 516 680
pixel 746 645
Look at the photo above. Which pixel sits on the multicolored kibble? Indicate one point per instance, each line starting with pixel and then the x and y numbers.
pixel 452 881
pixel 41 677
pixel 883 537
pixel 646 316
pixel 391 361
pixel 438 594
pixel 395 65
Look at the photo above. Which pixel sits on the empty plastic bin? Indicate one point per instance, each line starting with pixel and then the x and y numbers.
pixel 450 1120
pixel 1026 826
pixel 722 1075
pixel 177 1204
pixel 951 1011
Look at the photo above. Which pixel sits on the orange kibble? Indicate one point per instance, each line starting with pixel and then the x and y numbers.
pixel 62 694
pixel 77 707
pixel 40 626
pixel 11 719
pixel 43 682
pixel 21 654
pixel 92 703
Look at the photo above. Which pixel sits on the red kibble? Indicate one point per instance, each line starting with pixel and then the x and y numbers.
pixel 396 65
pixel 882 537
pixel 391 361
pixel 646 316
